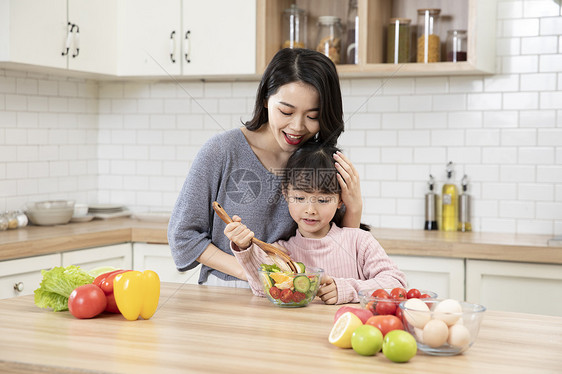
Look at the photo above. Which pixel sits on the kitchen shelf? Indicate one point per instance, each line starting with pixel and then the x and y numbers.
pixel 478 17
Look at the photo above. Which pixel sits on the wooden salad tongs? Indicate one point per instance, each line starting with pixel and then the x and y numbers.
pixel 270 249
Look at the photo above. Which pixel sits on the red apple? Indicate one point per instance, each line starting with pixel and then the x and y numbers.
pixel 363 314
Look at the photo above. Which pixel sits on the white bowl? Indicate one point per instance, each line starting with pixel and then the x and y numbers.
pixel 50 205
pixel 80 210
pixel 48 213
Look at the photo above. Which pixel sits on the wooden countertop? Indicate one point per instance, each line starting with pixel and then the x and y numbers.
pixel 219 329
pixel 37 240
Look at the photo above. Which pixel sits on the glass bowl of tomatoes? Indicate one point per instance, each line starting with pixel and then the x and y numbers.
pixel 385 301
pixel 288 289
pixel 442 327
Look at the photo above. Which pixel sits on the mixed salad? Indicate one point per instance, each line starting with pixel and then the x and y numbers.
pixel 287 288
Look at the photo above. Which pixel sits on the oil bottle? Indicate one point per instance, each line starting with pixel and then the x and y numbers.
pixel 450 200
pixel 464 207
pixel 430 206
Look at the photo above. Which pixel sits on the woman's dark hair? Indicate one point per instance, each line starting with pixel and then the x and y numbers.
pixel 310 67
pixel 311 168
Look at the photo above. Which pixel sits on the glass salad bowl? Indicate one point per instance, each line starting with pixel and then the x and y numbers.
pixel 290 289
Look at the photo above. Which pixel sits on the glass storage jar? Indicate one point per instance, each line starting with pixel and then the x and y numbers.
pixel 429 44
pixel 398 43
pixel 12 217
pixel 294 28
pixel 3 222
pixel 456 45
pixel 351 54
pixel 328 41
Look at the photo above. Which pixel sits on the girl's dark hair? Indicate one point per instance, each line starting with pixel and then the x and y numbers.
pixel 310 67
pixel 311 168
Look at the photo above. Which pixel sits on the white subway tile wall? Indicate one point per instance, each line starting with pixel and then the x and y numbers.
pixel 133 142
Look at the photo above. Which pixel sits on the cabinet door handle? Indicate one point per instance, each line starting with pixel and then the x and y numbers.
pixel 18 286
pixel 173 47
pixel 188 46
pixel 66 48
pixel 76 42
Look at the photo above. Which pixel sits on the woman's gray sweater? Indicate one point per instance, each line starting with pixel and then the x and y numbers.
pixel 228 171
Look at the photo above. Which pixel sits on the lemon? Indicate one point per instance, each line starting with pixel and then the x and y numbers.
pixel 343 329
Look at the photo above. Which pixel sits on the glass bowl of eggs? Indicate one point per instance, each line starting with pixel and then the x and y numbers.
pixel 442 327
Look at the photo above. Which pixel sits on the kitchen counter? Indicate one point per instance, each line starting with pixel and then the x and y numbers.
pixel 220 329
pixel 38 240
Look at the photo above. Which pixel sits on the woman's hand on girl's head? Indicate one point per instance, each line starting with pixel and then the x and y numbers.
pixel 328 292
pixel 238 233
pixel 348 177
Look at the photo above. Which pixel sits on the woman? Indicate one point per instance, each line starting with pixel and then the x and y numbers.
pixel 298 99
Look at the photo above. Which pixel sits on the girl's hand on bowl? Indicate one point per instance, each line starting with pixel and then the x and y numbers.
pixel 328 291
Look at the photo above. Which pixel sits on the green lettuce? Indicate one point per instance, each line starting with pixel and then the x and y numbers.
pixel 57 284
pixel 271 268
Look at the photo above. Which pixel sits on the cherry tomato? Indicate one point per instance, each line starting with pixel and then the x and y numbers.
pixel 425 296
pixel 399 313
pixel 275 292
pixel 413 293
pixel 385 307
pixel 398 293
pixel 286 296
pixel 371 306
pixel 298 296
pixel 87 301
pixel 380 293
pixel 385 323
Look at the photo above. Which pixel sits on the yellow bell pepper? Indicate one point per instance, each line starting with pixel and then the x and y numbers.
pixel 136 293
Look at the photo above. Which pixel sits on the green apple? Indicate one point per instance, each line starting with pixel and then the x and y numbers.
pixel 366 340
pixel 399 346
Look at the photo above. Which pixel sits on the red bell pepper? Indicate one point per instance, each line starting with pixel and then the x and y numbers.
pixel 105 282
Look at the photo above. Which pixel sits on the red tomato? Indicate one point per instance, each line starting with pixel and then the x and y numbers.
pixel 380 293
pixel 275 292
pixel 298 296
pixel 398 293
pixel 87 301
pixel 413 293
pixel 286 295
pixel 385 307
pixel 385 323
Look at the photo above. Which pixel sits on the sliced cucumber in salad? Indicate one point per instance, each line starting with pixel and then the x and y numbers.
pixel 301 283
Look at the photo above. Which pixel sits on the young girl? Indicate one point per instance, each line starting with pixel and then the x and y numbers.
pixel 351 257
pixel 298 99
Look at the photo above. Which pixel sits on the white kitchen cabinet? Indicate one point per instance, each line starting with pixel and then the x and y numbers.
pixel 118 255
pixel 149 38
pixel 37 32
pixel 22 276
pixel 157 257
pixel 515 287
pixel 193 38
pixel 444 276
pixel 221 37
